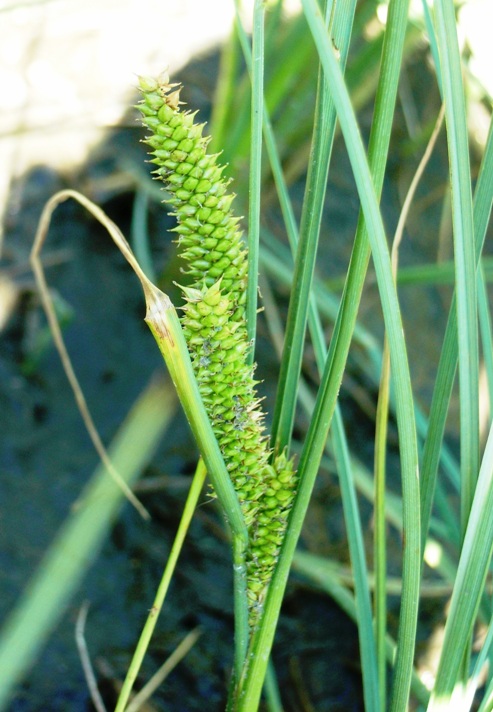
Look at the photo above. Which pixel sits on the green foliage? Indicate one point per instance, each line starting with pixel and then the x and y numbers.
pixel 420 511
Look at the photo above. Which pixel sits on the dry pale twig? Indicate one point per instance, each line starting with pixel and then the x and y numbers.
pixel 86 660
pixel 158 678
pixel 37 266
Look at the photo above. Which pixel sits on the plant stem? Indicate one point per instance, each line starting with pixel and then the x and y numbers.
pixel 255 173
pixel 145 637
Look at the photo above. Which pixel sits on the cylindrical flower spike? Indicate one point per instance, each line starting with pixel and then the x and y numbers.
pixel 215 325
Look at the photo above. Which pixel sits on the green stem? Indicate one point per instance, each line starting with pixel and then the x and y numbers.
pixel 462 212
pixel 242 629
pixel 306 252
pixel 379 544
pixel 255 172
pixel 144 640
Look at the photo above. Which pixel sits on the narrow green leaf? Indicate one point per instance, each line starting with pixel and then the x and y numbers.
pixel 255 172
pixel 458 147
pixel 400 369
pixel 316 183
pixel 483 198
pixel 486 332
pixel 372 685
pixel 153 616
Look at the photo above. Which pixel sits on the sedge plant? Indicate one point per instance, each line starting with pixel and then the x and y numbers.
pixel 263 478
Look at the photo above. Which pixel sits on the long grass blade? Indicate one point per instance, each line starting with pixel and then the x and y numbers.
pixel 483 198
pixel 458 147
pixel 400 369
pixel 381 433
pixel 373 691
pixel 316 185
pixel 479 666
pixel 255 171
pixel 485 326
pixel 44 292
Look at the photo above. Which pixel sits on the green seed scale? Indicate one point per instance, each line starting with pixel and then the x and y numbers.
pixel 215 325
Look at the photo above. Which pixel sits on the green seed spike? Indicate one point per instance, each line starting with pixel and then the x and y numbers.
pixel 214 323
